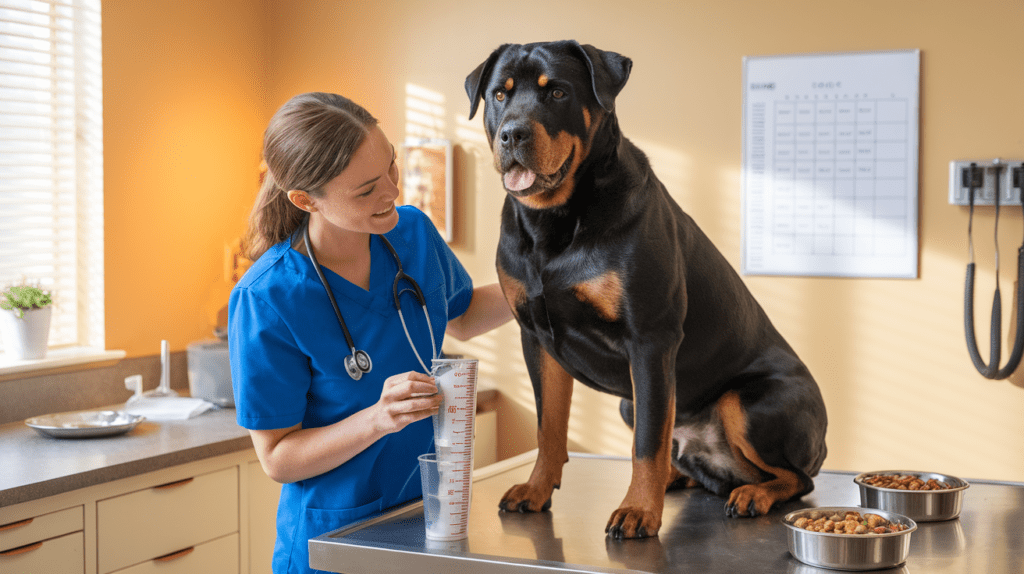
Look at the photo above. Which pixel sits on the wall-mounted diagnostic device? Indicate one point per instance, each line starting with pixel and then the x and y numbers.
pixel 994 182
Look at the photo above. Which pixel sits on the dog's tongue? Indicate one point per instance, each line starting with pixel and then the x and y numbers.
pixel 519 178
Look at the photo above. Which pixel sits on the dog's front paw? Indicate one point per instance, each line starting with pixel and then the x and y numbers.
pixel 748 500
pixel 632 522
pixel 525 498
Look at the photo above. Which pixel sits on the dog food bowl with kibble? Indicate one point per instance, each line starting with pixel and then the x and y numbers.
pixel 920 505
pixel 866 550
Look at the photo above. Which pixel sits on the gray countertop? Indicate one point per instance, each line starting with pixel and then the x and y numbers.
pixel 35 466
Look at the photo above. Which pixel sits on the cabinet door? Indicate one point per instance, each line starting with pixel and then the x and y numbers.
pixel 218 556
pixel 139 526
pixel 263 497
pixel 61 555
pixel 43 527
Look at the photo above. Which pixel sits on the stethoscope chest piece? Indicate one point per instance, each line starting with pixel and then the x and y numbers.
pixel 358 363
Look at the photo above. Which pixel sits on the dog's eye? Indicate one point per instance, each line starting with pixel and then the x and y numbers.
pixel 500 96
pixel 557 94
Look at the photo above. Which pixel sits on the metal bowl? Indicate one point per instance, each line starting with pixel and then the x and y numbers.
pixel 849 551
pixel 919 505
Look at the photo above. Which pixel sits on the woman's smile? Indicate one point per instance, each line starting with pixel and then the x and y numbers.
pixel 387 211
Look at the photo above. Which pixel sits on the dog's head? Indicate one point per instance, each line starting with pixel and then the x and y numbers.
pixel 543 104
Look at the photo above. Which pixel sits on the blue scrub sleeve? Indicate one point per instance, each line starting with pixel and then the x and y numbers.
pixel 458 283
pixel 269 373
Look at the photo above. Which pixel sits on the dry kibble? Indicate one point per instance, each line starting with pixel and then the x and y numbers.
pixel 904 482
pixel 851 523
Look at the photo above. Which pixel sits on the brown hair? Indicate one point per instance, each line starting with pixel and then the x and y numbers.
pixel 309 141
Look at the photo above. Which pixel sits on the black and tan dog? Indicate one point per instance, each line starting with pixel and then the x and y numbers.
pixel 614 286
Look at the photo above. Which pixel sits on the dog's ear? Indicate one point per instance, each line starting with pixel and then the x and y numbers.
pixel 477 78
pixel 608 72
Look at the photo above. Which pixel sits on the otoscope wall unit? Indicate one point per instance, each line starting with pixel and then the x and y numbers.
pixel 987 178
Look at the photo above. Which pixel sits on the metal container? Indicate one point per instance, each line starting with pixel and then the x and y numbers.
pixel 919 505
pixel 209 372
pixel 849 551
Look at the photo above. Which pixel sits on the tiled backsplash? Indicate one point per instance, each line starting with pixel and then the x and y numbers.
pixel 85 389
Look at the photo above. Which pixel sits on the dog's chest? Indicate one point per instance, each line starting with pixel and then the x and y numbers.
pixel 574 311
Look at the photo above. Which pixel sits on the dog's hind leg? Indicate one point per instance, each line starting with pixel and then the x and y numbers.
pixel 754 499
pixel 552 386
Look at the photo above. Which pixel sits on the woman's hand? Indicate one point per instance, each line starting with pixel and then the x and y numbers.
pixel 406 398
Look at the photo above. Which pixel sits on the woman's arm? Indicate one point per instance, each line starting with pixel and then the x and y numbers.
pixel 295 453
pixel 487 310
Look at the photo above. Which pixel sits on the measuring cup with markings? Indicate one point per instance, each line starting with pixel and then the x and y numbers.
pixel 447 496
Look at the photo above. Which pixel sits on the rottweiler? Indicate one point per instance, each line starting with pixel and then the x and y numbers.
pixel 613 285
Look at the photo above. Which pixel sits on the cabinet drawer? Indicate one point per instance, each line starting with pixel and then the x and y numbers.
pixel 218 556
pixel 32 530
pixel 61 555
pixel 137 527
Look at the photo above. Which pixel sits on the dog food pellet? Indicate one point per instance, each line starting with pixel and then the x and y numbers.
pixel 848 523
pixel 904 482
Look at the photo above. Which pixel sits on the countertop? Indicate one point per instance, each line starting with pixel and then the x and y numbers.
pixel 34 466
pixel 696 536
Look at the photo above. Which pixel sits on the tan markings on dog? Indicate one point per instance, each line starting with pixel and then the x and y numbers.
pixel 603 293
pixel 549 155
pixel 542 80
pixel 552 439
pixel 586 120
pixel 645 500
pixel 515 291
pixel 509 83
pixel 786 483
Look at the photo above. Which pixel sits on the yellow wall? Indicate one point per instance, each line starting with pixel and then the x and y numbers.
pixel 184 111
pixel 183 119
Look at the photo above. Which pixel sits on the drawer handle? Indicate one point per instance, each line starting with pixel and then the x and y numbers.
pixel 22 549
pixel 14 525
pixel 173 484
pixel 175 555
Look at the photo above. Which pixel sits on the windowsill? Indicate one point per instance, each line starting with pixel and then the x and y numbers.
pixel 57 360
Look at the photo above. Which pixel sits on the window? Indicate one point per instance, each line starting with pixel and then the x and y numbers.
pixel 51 160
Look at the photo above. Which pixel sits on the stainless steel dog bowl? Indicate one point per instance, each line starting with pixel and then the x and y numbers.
pixel 919 505
pixel 849 551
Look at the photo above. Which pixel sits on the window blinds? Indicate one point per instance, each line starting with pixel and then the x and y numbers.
pixel 51 160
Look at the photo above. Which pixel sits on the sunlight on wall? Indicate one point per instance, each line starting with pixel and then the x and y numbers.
pixel 470 131
pixel 424 112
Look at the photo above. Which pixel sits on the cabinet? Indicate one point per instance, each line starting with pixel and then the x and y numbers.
pixel 51 543
pixel 212 516
pixel 166 519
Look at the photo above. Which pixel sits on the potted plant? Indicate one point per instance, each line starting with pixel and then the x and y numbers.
pixel 25 321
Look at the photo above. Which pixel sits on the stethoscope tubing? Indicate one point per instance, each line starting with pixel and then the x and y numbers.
pixel 396 293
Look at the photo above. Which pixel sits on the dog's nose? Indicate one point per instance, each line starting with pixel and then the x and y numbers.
pixel 515 134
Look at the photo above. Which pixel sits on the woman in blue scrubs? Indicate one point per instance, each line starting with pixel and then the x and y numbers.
pixel 343 448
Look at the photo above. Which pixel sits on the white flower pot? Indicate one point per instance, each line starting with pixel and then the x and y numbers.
pixel 26 338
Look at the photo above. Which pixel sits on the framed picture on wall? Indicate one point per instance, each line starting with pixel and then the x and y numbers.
pixel 427 181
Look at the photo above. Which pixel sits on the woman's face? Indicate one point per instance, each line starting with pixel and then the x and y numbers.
pixel 362 197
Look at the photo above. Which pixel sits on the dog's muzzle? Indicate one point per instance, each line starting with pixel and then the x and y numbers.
pixel 514 157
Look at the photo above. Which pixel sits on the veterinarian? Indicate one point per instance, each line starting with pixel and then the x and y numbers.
pixel 340 418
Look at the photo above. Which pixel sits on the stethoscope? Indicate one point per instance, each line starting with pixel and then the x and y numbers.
pixel 358 361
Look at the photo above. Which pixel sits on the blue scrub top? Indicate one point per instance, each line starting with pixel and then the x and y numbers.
pixel 287 353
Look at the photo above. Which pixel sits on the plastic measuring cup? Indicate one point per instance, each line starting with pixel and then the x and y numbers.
pixel 453 424
pixel 448 474
pixel 445 499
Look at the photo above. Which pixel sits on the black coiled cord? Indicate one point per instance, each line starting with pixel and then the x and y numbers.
pixel 992 370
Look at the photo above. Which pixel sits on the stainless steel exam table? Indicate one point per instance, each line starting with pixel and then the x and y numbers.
pixel 695 536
